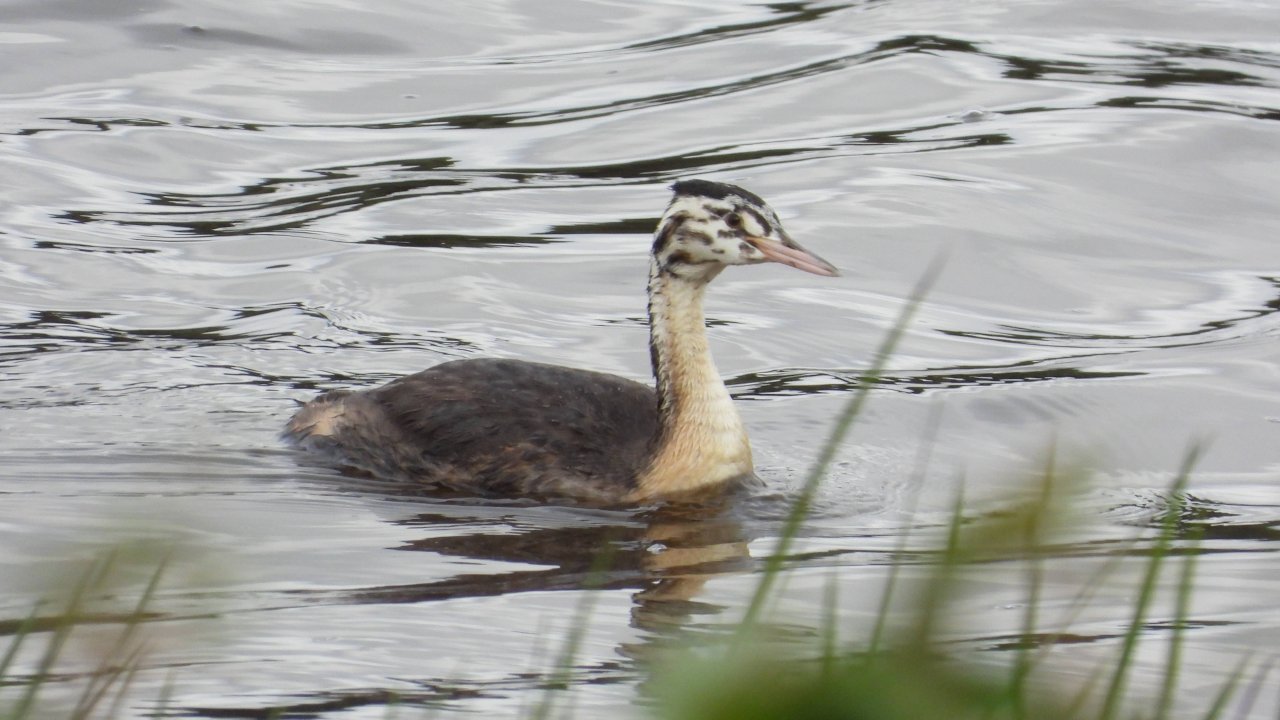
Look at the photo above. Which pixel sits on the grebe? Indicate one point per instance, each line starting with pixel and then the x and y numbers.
pixel 519 429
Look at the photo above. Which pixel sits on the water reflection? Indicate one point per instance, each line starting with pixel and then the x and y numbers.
pixel 666 555
pixel 663 556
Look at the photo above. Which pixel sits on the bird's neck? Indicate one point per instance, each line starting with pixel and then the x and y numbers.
pixel 701 442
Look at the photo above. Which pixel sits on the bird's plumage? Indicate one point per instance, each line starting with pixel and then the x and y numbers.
pixel 517 428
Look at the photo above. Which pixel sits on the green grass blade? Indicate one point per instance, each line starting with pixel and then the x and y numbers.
pixel 844 422
pixel 110 671
pixel 1075 706
pixel 1147 588
pixel 1080 602
pixel 919 472
pixel 829 635
pixel 91 578
pixel 1228 689
pixel 20 636
pixel 563 671
pixel 165 699
pixel 1181 615
pixel 937 593
pixel 117 677
pixel 1032 541
pixel 1245 707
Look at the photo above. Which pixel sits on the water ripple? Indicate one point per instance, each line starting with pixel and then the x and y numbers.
pixel 296 200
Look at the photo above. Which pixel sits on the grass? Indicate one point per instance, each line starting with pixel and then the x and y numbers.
pixel 102 688
pixel 885 674
pixel 913 673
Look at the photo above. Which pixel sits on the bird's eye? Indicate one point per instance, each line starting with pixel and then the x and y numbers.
pixel 733 220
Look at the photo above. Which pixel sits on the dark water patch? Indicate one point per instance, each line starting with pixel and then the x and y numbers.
pixel 82 124
pixel 474 586
pixel 1186 105
pixel 1206 520
pixel 785 14
pixel 1203 524
pixel 1159 66
pixel 51 330
pixel 625 226
pixel 73 124
pixel 349 336
pixel 350 188
pixel 1033 641
pixel 81 247
pixel 434 694
pixel 790 382
pixel 315 705
pixel 299 204
pixel 439 240
pixel 1225 53
pixel 1245 532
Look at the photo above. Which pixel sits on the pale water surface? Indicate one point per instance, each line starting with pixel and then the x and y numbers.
pixel 212 210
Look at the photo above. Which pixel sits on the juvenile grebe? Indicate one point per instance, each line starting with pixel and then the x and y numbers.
pixel 516 428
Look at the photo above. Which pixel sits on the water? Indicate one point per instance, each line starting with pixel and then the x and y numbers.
pixel 212 211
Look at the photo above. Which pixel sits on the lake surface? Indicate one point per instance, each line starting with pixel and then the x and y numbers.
pixel 212 211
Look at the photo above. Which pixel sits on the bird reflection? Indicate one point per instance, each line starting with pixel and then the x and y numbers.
pixel 666 555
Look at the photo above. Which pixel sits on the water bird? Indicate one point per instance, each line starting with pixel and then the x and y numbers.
pixel 513 428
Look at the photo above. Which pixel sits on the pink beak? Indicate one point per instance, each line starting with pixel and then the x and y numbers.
pixel 793 255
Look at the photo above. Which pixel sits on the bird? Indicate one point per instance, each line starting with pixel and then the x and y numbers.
pixel 512 428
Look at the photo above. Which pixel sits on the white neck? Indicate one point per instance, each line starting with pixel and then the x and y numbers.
pixel 701 441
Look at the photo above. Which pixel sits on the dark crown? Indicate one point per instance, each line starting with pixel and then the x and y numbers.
pixel 714 190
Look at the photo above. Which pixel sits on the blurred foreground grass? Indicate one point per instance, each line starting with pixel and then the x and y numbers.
pixel 76 655
pixel 905 668
pixel 103 666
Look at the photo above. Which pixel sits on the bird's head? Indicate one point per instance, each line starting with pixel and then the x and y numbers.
pixel 709 226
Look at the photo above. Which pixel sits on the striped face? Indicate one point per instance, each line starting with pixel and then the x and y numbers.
pixel 709 226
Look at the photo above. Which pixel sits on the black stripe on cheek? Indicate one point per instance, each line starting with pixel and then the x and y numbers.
pixel 679 257
pixel 664 236
pixel 682 257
